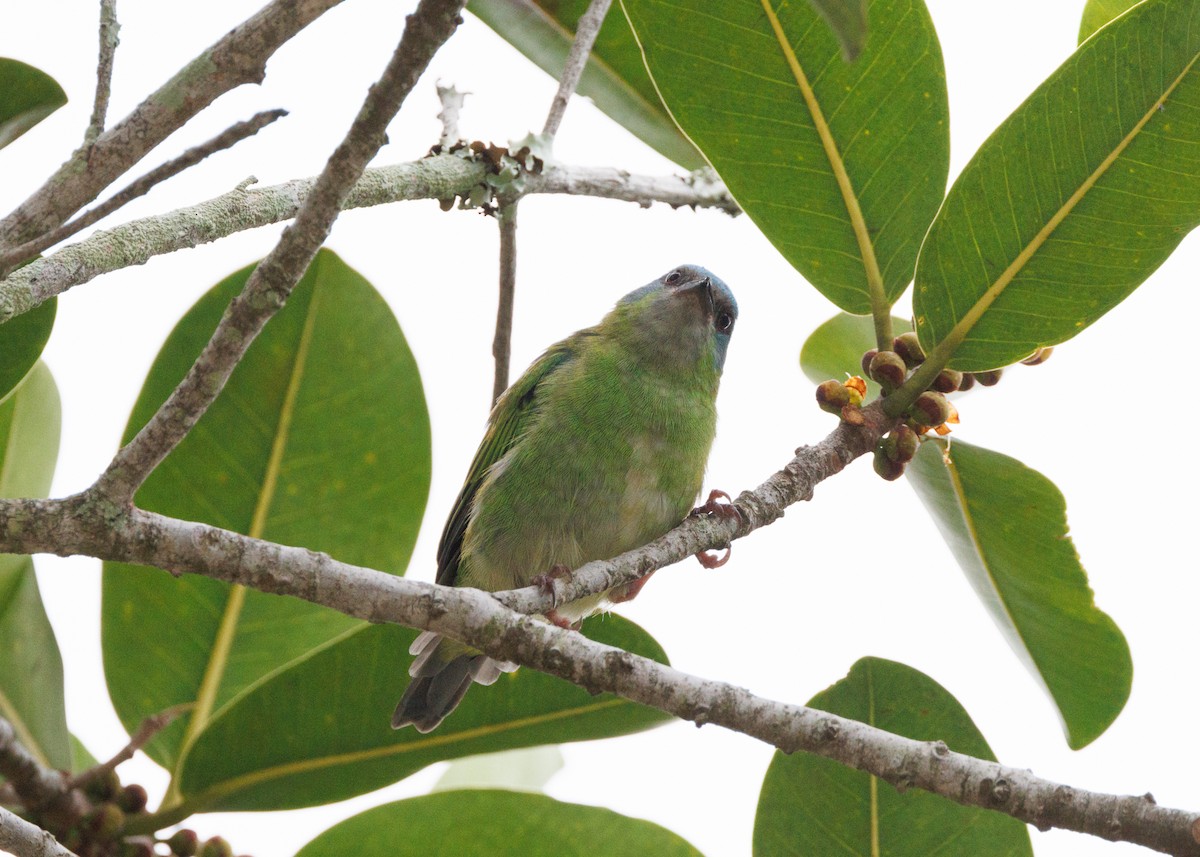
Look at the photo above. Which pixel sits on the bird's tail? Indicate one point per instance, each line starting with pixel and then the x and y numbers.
pixel 441 674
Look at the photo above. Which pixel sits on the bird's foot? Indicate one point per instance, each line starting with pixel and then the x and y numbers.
pixel 714 506
pixel 555 618
pixel 545 582
pixel 628 592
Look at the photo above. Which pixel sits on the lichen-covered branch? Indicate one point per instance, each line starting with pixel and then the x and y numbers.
pixel 109 39
pixel 269 286
pixel 239 57
pixel 23 839
pixel 439 177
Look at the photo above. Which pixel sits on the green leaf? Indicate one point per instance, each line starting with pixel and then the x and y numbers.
pixel 1073 201
pixel 27 96
pixel 810 805
pixel 614 77
pixel 1097 13
pixel 835 349
pixel 1007 527
pixel 21 342
pixel 842 166
pixel 336 740
pixel 320 439
pixel 496 823
pixel 31 673
pixel 81 757
pixel 848 20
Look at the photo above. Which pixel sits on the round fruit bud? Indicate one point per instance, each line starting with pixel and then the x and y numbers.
pixel 183 843
pixel 885 467
pixel 832 396
pixel 901 444
pixel 867 357
pixel 139 847
pixel 105 821
pixel 132 798
pixel 909 347
pixel 930 409
pixel 989 378
pixel 967 382
pixel 1040 356
pixel 947 381
pixel 889 369
pixel 104 786
pixel 216 847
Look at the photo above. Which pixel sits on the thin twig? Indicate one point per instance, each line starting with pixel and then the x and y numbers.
pixel 148 728
pixel 238 57
pixel 452 102
pixel 229 137
pixel 425 31
pixel 502 343
pixel 23 839
pixel 585 36
pixel 441 177
pixel 109 39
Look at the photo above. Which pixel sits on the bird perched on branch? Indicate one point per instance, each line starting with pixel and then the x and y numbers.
pixel 600 447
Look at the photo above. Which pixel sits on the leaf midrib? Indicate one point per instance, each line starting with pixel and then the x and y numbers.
pixel 215 670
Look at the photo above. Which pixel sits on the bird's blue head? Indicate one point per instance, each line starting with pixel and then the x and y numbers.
pixel 686 310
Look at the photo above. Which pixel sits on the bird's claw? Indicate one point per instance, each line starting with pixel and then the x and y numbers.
pixel 545 582
pixel 724 510
pixel 708 559
pixel 629 591
pixel 554 618
pixel 714 506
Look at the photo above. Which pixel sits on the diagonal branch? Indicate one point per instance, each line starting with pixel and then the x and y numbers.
pixel 231 136
pixel 109 29
pixel 239 57
pixel 20 837
pixel 586 31
pixel 440 177
pixel 425 31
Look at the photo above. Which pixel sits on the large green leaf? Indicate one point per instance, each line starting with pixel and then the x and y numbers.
pixel 842 165
pixel 31 673
pixel 320 439
pixel 1074 200
pixel 496 823
pixel 813 806
pixel 848 20
pixel 835 349
pixel 1097 13
pixel 21 342
pixel 320 730
pixel 614 77
pixel 1007 527
pixel 27 96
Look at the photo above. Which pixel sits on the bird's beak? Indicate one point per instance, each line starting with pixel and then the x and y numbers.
pixel 702 288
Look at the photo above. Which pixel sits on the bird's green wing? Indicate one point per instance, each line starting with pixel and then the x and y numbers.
pixel 508 422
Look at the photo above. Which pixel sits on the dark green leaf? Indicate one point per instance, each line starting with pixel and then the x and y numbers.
pixel 842 165
pixel 31 676
pixel 848 20
pixel 336 706
pixel 21 342
pixel 835 349
pixel 814 806
pixel 81 757
pixel 27 96
pixel 1097 13
pixel 1007 527
pixel 614 77
pixel 320 439
pixel 1074 200
pixel 496 823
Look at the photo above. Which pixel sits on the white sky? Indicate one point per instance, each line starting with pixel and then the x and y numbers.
pixel 781 618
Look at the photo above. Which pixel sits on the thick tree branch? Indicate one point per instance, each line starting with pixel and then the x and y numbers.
pixel 78 525
pixel 19 837
pixel 239 57
pixel 37 787
pixel 502 342
pixel 109 30
pixel 229 137
pixel 425 31
pixel 586 31
pixel 439 177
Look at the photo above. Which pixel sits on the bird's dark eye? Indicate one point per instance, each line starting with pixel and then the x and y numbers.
pixel 724 322
pixel 673 278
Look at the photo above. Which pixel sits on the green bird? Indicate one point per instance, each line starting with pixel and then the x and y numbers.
pixel 600 447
